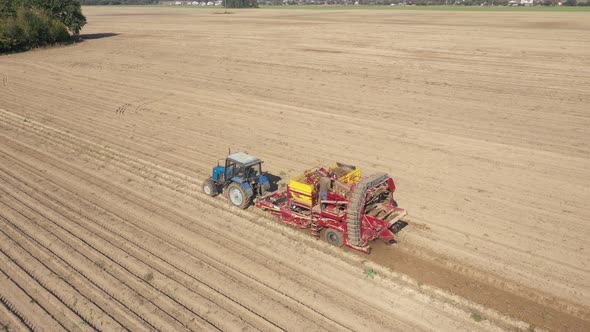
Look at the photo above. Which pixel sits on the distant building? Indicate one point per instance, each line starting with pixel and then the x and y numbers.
pixel 521 2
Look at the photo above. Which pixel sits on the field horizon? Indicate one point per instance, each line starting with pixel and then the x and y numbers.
pixel 481 117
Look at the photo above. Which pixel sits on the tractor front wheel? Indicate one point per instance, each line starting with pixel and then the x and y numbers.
pixel 334 237
pixel 210 188
pixel 237 196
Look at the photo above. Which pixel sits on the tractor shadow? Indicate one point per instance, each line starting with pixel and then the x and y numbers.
pixel 274 181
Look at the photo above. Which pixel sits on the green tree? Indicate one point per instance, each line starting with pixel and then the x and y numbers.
pixel 28 26
pixel 12 36
pixel 8 8
pixel 68 12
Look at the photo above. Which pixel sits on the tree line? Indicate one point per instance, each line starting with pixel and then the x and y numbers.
pixel 241 3
pixel 25 24
pixel 118 2
pixel 419 2
pixel 230 3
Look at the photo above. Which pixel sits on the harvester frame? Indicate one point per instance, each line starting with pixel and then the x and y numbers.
pixel 353 210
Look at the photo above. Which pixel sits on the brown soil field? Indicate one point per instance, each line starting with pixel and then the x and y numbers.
pixel 482 118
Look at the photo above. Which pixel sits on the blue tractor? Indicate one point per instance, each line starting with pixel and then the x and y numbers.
pixel 240 180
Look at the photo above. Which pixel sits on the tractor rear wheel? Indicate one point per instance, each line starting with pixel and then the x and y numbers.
pixel 237 196
pixel 334 237
pixel 210 188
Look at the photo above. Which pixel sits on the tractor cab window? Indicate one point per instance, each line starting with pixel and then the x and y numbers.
pixel 232 169
pixel 253 171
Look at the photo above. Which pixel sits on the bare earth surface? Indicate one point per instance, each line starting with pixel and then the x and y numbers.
pixel 481 118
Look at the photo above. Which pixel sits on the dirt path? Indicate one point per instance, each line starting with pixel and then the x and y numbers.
pixel 483 127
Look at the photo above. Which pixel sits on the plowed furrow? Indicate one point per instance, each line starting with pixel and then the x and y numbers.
pixel 102 153
pixel 14 319
pixel 118 270
pixel 335 105
pixel 84 259
pixel 21 305
pixel 51 303
pixel 9 321
pixel 96 278
pixel 90 301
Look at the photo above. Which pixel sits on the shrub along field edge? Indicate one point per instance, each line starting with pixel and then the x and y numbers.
pixel 26 24
pixel 31 28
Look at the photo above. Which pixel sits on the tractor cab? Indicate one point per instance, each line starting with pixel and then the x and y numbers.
pixel 241 167
pixel 240 179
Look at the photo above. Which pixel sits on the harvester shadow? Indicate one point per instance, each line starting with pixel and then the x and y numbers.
pixel 398 226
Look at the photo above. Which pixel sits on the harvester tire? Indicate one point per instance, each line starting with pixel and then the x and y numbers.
pixel 237 196
pixel 210 188
pixel 334 237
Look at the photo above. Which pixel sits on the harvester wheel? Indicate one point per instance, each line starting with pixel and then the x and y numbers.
pixel 210 188
pixel 237 196
pixel 334 238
